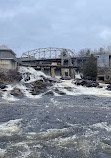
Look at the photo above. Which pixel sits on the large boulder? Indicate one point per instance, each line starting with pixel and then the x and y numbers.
pixel 38 87
pixel 59 92
pixel 86 83
pixel 68 88
pixel 52 80
pixel 66 78
pixel 41 86
pixel 49 93
pixel 3 86
pixel 109 87
pixel 16 92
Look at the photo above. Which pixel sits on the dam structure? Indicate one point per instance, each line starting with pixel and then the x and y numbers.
pixel 54 61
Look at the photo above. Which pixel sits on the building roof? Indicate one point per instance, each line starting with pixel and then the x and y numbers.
pixel 6 53
pixel 5 48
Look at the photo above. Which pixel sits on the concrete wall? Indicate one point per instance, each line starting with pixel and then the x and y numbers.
pixel 8 64
pixel 103 60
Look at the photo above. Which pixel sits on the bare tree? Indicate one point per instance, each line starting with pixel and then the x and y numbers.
pixel 85 52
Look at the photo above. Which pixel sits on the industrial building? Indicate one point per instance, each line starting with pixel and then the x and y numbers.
pixel 8 58
pixel 104 66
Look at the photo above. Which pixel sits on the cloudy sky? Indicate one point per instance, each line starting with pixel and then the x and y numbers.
pixel 74 24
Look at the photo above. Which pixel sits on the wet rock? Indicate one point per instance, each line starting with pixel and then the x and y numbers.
pixel 66 78
pixel 16 92
pixel 86 83
pixel 68 88
pixel 41 86
pixel 53 80
pixel 33 92
pixel 3 86
pixel 49 93
pixel 38 87
pixel 49 84
pixel 37 92
pixel 99 86
pixel 109 87
pixel 28 85
pixel 59 92
pixel 1 93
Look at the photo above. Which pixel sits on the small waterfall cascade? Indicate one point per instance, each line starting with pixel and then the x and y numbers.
pixel 78 75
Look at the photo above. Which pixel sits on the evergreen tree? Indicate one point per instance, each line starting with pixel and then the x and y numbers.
pixel 90 69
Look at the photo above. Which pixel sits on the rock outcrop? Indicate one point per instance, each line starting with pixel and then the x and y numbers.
pixel 38 87
pixel 41 86
pixel 3 86
pixel 16 92
pixel 66 78
pixel 109 87
pixel 59 92
pixel 86 83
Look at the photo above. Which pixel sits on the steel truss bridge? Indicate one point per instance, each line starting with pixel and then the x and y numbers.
pixel 46 53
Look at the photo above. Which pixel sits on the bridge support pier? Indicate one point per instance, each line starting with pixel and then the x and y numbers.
pixel 71 73
pixel 53 72
pixel 63 72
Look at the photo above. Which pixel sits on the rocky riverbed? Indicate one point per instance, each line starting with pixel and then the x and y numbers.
pixel 34 84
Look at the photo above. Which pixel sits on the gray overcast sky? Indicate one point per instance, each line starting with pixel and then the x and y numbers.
pixel 75 24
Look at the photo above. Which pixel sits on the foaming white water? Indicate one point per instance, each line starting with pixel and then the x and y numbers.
pixel 26 150
pixel 26 91
pixel 54 101
pixel 2 153
pixel 85 143
pixel 7 96
pixel 77 75
pixel 81 90
pixel 32 73
pixel 102 125
pixel 90 133
pixel 63 86
pixel 66 141
pixel 10 128
pixel 50 133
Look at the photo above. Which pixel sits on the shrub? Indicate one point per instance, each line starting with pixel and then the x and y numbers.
pixel 9 76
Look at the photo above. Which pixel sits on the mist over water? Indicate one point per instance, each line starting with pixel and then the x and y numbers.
pixel 74 125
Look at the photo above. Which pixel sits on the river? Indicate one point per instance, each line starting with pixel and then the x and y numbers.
pixel 74 125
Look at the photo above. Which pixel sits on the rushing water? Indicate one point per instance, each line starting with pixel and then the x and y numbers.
pixel 74 125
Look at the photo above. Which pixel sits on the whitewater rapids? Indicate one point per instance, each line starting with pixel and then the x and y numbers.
pixel 74 125
pixel 71 126
pixel 63 86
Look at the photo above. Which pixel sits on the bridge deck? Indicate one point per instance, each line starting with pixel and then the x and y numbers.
pixel 48 65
